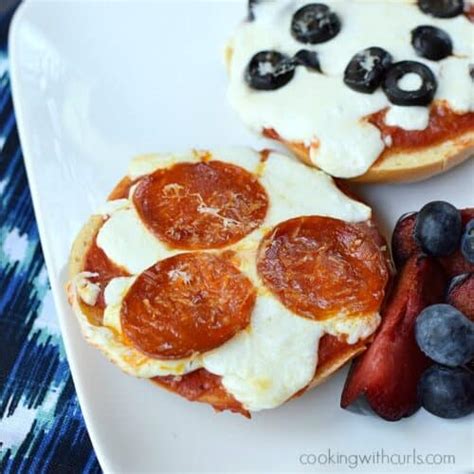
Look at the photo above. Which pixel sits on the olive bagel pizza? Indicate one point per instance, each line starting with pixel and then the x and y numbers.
pixel 372 91
pixel 236 278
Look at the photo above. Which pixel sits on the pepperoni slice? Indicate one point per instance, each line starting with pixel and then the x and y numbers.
pixel 201 205
pixel 189 303
pixel 319 266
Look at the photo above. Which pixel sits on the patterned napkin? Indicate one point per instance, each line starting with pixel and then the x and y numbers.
pixel 41 425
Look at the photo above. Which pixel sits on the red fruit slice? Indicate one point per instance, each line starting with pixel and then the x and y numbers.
pixel 404 245
pixel 387 373
pixel 461 296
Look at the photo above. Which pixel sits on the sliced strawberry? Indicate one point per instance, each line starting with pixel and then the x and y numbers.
pixel 387 374
pixel 404 245
pixel 461 294
pixel 466 215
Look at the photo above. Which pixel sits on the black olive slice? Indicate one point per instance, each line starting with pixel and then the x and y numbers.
pixel 421 95
pixel 269 70
pixel 366 69
pixel 315 23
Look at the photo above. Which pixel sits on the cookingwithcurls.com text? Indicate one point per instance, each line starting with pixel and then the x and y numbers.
pixel 379 457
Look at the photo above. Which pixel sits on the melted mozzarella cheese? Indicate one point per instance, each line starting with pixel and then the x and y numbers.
pixel 456 86
pixel 410 82
pixel 86 290
pixel 319 110
pixel 277 354
pixel 409 118
pixel 353 328
pixel 128 243
pixel 296 190
pixel 275 357
pixel 109 207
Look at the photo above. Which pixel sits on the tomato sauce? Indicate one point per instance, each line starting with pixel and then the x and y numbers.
pixel 443 124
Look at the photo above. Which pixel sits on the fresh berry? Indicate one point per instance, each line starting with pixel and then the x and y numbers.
pixel 400 94
pixel 403 243
pixel 387 374
pixel 269 70
pixel 308 59
pixel 431 42
pixel 360 405
pixel 366 69
pixel 460 294
pixel 467 242
pixel 445 335
pixel 315 23
pixel 442 8
pixel 438 228
pixel 447 392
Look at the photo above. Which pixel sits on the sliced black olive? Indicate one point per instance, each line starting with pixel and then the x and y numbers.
pixel 269 70
pixel 431 42
pixel 250 9
pixel 423 95
pixel 308 59
pixel 442 8
pixel 366 69
pixel 315 23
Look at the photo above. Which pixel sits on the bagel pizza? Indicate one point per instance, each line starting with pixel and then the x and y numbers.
pixel 236 278
pixel 372 91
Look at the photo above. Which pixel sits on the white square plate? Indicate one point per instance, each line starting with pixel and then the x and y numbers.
pixel 94 84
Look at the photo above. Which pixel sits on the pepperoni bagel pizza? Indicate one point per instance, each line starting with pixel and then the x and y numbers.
pixel 373 91
pixel 235 278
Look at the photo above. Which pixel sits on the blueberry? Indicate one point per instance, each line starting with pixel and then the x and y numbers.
pixel 438 228
pixel 269 70
pixel 467 242
pixel 366 69
pixel 442 8
pixel 447 392
pixel 445 335
pixel 315 23
pixel 308 59
pixel 431 42
pixel 397 94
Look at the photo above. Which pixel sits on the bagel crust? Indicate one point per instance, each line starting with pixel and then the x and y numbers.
pixel 406 165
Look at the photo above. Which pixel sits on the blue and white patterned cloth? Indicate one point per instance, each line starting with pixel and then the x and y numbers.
pixel 41 425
